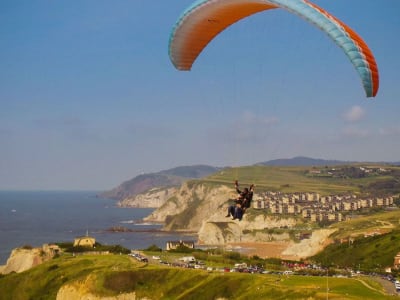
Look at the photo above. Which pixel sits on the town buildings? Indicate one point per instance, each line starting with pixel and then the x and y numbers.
pixel 315 207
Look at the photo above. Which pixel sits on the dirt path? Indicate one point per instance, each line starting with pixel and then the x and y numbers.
pixel 368 286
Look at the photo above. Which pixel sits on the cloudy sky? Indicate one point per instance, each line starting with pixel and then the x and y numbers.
pixel 89 97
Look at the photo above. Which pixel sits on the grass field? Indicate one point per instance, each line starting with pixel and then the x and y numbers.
pixel 298 179
pixel 378 222
pixel 110 275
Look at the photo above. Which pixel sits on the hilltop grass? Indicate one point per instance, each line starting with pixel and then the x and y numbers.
pixel 44 281
pixel 109 275
pixel 388 221
pixel 296 179
pixel 284 179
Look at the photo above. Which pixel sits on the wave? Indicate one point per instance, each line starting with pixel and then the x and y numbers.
pixel 129 222
pixel 139 222
pixel 147 224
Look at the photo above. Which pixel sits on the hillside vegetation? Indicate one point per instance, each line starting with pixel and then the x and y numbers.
pixel 330 180
pixel 118 275
pixel 368 243
pixel 368 225
pixel 368 254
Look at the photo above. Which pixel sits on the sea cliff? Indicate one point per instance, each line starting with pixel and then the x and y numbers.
pixel 22 259
pixel 80 290
pixel 153 198
pixel 202 207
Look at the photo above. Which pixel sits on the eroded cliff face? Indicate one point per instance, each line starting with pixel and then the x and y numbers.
pixel 152 199
pixel 309 247
pixel 202 208
pixel 191 205
pixel 221 230
pixel 23 259
pixel 78 291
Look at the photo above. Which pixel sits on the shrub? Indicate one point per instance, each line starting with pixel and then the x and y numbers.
pixel 53 267
pixel 182 249
pixel 116 249
pixel 232 255
pixel 153 248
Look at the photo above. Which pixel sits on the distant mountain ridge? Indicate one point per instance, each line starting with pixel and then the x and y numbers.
pixel 196 171
pixel 166 178
pixel 307 161
pixel 303 161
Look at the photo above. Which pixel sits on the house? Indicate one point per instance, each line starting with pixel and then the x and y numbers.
pixel 172 245
pixel 51 249
pixel 396 264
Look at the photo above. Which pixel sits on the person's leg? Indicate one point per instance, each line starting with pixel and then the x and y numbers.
pixel 239 213
pixel 231 211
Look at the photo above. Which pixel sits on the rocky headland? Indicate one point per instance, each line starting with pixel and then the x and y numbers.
pixel 153 198
pixel 22 259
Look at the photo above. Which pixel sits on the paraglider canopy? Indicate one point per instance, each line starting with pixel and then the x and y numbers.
pixel 205 19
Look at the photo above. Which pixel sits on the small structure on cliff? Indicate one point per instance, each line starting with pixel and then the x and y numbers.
pixel 85 241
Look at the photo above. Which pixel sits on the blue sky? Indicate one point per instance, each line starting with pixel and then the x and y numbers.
pixel 89 97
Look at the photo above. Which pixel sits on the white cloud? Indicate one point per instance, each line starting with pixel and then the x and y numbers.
pixel 354 132
pixel 354 114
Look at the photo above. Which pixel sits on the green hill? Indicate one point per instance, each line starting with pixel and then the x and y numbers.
pixel 368 224
pixel 371 254
pixel 113 275
pixel 368 242
pixel 324 180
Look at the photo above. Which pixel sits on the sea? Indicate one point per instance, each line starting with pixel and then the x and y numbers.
pixel 41 217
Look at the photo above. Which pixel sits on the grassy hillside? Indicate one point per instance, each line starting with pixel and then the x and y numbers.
pixel 300 179
pixel 378 222
pixel 370 253
pixel 114 274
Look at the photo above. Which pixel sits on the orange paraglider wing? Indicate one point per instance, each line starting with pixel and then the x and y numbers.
pixel 205 19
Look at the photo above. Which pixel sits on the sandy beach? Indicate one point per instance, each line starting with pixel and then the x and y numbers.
pixel 263 250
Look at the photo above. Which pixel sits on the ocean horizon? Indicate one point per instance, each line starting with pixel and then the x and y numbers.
pixel 40 217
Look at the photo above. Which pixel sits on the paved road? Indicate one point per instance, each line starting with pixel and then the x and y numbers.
pixel 387 285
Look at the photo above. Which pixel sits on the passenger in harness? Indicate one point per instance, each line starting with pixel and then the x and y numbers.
pixel 242 202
